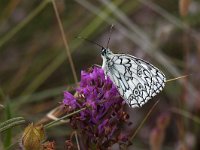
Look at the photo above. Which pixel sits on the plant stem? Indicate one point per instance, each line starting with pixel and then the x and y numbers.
pixel 65 42
pixel 64 117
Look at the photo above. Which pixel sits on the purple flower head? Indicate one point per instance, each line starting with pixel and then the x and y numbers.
pixel 100 123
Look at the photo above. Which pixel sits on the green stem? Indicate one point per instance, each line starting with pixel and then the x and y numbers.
pixel 64 117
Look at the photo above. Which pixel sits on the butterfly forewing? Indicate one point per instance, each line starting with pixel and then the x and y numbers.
pixel 136 80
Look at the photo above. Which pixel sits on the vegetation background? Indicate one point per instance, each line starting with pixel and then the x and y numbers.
pixel 35 67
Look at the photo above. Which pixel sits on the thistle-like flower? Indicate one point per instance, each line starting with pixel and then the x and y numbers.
pixel 101 122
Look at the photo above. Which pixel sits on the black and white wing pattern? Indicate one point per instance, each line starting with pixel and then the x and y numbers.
pixel 136 80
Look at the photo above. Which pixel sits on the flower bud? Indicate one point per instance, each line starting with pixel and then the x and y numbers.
pixel 32 137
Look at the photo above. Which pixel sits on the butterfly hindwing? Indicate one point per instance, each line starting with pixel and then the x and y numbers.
pixel 136 80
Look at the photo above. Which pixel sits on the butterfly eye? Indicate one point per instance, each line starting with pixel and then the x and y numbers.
pixel 103 51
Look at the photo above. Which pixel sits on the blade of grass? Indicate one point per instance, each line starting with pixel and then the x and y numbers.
pixel 41 78
pixel 8 133
pixel 23 23
pixel 7 122
pixel 186 114
pixel 165 14
pixel 39 96
pixel 11 123
pixel 61 57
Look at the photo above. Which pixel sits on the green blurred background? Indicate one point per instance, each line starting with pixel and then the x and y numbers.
pixel 35 69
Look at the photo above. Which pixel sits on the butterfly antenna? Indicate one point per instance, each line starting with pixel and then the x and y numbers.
pixel 79 37
pixel 110 33
pixel 169 80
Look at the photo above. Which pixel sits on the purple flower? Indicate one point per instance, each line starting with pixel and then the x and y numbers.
pixel 100 123
pixel 69 100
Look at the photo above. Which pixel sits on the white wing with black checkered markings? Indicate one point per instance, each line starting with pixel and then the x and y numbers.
pixel 136 80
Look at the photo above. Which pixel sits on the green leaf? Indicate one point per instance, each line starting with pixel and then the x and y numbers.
pixel 8 133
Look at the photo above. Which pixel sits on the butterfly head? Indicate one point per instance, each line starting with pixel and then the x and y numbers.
pixel 106 52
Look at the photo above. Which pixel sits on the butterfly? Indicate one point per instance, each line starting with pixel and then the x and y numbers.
pixel 136 79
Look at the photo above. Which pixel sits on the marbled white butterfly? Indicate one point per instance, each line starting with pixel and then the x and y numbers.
pixel 136 80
